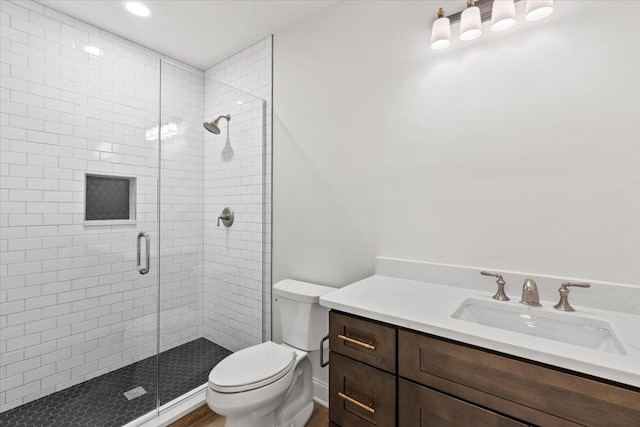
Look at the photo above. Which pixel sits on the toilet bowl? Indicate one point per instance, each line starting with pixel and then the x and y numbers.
pixel 269 384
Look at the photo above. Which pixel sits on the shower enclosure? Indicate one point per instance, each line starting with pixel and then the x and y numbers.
pixel 118 291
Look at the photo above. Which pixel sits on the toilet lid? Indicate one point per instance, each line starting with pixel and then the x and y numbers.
pixel 252 368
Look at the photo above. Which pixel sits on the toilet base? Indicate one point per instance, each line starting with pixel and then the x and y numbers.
pixel 297 407
pixel 250 420
pixel 268 420
pixel 301 418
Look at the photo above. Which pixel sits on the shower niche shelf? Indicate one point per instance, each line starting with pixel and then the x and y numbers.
pixel 109 200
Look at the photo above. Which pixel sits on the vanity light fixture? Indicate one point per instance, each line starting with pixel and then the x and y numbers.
pixel 137 8
pixel 538 9
pixel 471 22
pixel 501 12
pixel 503 15
pixel 441 32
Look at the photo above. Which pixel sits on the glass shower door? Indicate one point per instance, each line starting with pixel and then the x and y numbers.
pixel 185 356
pixel 211 279
pixel 78 184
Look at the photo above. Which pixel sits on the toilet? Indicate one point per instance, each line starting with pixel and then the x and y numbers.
pixel 269 384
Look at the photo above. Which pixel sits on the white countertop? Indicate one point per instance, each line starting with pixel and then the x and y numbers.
pixel 428 307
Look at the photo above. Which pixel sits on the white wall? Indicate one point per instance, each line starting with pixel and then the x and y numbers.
pixel 237 173
pixel 517 151
pixel 72 305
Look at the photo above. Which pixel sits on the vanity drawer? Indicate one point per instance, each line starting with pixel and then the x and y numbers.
pixel 432 408
pixel 359 395
pixel 364 340
pixel 534 392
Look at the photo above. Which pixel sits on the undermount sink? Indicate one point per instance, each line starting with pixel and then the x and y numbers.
pixel 565 328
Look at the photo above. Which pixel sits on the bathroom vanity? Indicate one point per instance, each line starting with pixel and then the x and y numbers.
pixel 403 353
pixel 385 376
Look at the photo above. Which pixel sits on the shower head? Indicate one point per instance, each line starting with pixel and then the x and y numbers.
pixel 213 127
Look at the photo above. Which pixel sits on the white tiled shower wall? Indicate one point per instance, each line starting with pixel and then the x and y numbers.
pixel 181 225
pixel 237 173
pixel 72 306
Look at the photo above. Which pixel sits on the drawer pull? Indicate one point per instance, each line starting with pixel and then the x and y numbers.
pixel 346 397
pixel 367 345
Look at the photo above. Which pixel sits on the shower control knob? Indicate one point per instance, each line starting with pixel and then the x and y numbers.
pixel 226 216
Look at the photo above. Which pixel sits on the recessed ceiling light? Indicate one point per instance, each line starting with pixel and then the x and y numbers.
pixel 137 8
pixel 93 50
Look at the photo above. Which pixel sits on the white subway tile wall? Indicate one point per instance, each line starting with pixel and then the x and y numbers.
pixel 72 306
pixel 181 206
pixel 237 173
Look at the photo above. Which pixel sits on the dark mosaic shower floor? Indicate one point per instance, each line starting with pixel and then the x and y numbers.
pixel 100 402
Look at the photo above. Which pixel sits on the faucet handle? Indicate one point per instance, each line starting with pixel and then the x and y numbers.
pixel 563 304
pixel 578 285
pixel 500 295
pixel 226 216
pixel 496 275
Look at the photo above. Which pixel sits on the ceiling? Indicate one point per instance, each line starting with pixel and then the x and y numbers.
pixel 200 33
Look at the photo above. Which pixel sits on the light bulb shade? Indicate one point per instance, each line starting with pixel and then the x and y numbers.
pixel 441 34
pixel 470 24
pixel 538 9
pixel 503 15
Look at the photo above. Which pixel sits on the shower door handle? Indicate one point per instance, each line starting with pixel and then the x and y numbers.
pixel 144 270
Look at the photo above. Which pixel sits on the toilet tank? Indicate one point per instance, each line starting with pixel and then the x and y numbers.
pixel 303 320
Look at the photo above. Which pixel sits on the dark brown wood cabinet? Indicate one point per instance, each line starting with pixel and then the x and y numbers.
pixel 363 340
pixel 362 372
pixel 360 395
pixel 382 375
pixel 424 407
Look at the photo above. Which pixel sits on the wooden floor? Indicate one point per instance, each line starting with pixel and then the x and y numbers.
pixel 205 417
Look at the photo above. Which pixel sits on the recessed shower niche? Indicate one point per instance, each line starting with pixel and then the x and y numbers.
pixel 109 199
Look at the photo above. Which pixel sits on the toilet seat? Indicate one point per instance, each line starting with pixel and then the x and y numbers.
pixel 252 368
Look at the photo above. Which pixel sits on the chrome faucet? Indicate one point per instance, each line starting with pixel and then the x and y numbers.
pixel 500 295
pixel 530 293
pixel 564 305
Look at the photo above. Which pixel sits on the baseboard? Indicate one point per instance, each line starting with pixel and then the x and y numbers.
pixel 321 392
